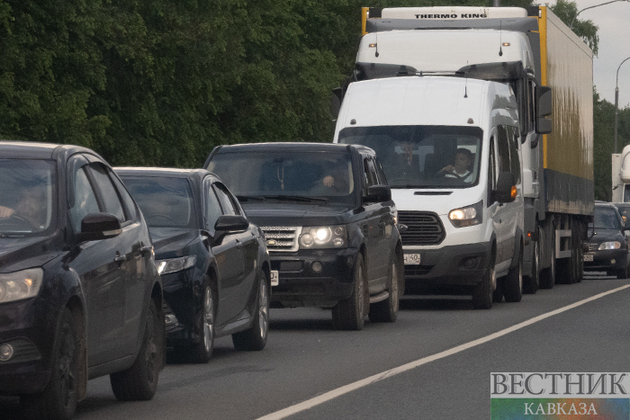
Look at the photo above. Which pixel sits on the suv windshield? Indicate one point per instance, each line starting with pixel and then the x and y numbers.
pixel 422 156
pixel 164 201
pixel 27 196
pixel 606 218
pixel 293 176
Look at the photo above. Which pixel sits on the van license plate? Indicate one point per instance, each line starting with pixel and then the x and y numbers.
pixel 588 257
pixel 275 278
pixel 412 259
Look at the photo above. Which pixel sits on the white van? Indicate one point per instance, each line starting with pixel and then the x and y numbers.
pixel 449 148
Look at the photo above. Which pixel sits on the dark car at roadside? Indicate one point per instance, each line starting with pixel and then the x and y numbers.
pixel 329 224
pixel 213 261
pixel 80 296
pixel 607 242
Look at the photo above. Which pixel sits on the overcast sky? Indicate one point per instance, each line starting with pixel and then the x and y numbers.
pixel 613 21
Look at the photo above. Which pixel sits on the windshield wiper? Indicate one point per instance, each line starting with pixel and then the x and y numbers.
pixel 250 197
pixel 296 198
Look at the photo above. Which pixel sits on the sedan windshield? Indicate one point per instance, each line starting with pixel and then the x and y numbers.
pixel 27 196
pixel 422 156
pixel 315 177
pixel 606 218
pixel 164 201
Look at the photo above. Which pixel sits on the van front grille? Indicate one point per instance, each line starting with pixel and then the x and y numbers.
pixel 423 228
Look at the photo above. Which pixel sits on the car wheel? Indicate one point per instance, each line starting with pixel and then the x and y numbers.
pixel 387 310
pixel 202 351
pixel 513 282
pixel 59 398
pixel 255 338
pixel 140 381
pixel 532 282
pixel 349 314
pixel 482 295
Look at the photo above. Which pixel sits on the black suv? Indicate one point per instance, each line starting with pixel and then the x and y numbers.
pixel 329 224
pixel 80 296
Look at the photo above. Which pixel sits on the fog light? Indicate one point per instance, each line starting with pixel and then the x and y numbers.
pixel 317 267
pixel 471 263
pixel 170 319
pixel 6 352
pixel 613 261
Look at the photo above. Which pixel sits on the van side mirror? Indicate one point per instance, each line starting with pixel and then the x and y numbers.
pixel 378 193
pixel 335 101
pixel 506 188
pixel 97 226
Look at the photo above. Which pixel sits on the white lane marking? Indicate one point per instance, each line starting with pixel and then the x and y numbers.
pixel 330 395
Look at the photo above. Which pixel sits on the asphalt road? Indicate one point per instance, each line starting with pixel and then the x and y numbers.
pixel 434 362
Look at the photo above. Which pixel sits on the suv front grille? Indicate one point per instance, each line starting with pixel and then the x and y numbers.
pixel 282 238
pixel 423 228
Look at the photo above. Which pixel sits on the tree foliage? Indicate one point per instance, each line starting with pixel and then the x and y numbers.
pixel 567 11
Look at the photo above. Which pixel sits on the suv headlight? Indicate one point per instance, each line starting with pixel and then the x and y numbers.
pixel 609 245
pixel 323 237
pixel 467 216
pixel 20 285
pixel 174 265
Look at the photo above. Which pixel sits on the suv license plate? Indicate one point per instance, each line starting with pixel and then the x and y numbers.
pixel 588 257
pixel 412 259
pixel 275 278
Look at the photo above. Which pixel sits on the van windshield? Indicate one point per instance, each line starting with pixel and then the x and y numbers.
pixel 316 177
pixel 423 156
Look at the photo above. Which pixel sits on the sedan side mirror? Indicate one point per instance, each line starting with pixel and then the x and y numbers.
pixel 230 223
pixel 96 226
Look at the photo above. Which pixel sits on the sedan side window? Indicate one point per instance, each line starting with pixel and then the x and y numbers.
pixel 84 199
pixel 226 203
pixel 109 195
pixel 213 208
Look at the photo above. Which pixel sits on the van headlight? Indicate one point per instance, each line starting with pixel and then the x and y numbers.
pixel 173 265
pixel 467 216
pixel 609 245
pixel 20 285
pixel 323 237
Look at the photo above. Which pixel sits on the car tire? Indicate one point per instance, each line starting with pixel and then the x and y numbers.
pixel 387 310
pixel 202 352
pixel 255 338
pixel 513 282
pixel 140 381
pixel 532 283
pixel 483 295
pixel 349 314
pixel 59 398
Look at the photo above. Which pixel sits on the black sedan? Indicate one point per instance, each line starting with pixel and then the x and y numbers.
pixel 80 296
pixel 214 263
pixel 607 245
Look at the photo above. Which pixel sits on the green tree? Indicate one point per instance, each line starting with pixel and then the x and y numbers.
pixel 585 29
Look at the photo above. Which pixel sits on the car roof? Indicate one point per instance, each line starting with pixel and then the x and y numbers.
pixel 147 171
pixel 36 150
pixel 290 147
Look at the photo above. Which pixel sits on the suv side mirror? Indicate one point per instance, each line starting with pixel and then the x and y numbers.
pixel 378 193
pixel 96 226
pixel 506 188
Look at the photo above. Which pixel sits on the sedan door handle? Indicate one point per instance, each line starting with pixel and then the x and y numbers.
pixel 120 259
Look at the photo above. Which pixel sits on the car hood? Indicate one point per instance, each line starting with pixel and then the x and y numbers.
pixel 605 235
pixel 20 253
pixel 171 242
pixel 290 214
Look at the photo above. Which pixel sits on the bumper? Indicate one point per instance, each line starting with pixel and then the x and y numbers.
pixel 30 333
pixel 313 277
pixel 182 301
pixel 447 268
pixel 606 260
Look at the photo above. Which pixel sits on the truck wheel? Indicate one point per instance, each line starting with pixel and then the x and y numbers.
pixel 59 398
pixel 513 282
pixel 387 310
pixel 140 381
pixel 548 275
pixel 531 283
pixel 482 295
pixel 255 338
pixel 349 314
pixel 202 351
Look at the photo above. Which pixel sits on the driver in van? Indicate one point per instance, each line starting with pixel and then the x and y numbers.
pixel 461 166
